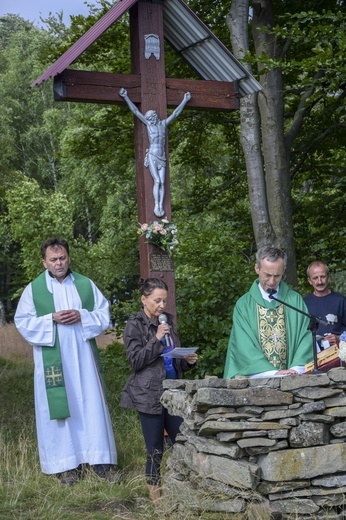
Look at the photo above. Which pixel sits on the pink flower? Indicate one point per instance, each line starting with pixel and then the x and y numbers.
pixel 163 231
pixel 144 227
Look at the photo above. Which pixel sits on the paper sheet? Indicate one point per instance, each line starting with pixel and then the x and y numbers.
pixel 180 352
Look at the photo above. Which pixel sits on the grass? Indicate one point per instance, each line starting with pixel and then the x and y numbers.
pixel 25 492
pixel 12 346
pixel 28 494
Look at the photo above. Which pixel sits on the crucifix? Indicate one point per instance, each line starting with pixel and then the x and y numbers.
pixel 148 89
pixel 155 158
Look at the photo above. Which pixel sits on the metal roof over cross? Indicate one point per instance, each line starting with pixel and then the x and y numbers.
pixel 224 81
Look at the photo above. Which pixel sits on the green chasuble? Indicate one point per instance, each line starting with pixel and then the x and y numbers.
pixel 53 369
pixel 268 335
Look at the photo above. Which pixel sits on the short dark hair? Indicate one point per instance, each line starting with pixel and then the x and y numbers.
pixel 149 285
pixel 55 243
pixel 316 262
pixel 271 254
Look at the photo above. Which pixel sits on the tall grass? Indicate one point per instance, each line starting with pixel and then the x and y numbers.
pixel 13 346
pixel 28 494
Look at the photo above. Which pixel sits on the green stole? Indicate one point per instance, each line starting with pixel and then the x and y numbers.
pixel 53 370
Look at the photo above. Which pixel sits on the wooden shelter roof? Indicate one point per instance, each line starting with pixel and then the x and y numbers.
pixel 184 32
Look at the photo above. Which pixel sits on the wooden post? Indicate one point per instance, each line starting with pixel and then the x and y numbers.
pixel 149 89
pixel 145 19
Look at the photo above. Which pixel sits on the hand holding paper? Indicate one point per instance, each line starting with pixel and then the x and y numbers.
pixel 180 352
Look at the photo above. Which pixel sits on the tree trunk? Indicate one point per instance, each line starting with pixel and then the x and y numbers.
pixel 262 136
pixel 276 156
pixel 237 22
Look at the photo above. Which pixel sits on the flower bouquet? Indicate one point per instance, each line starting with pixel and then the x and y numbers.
pixel 162 235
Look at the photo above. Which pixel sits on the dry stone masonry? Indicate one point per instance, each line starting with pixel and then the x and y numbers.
pixel 260 448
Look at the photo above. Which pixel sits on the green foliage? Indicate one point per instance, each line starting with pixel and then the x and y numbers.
pixel 315 64
pixel 123 308
pixel 69 168
pixel 308 48
pixel 43 214
pixel 208 285
pixel 116 367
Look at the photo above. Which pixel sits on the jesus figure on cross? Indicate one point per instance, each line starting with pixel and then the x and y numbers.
pixel 155 158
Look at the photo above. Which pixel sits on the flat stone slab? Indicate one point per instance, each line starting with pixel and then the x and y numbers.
pixel 303 463
pixel 257 396
pixel 214 427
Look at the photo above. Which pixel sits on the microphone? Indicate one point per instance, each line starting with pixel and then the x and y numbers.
pixel 271 293
pixel 163 319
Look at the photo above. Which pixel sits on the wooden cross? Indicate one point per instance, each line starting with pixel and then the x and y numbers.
pixel 149 89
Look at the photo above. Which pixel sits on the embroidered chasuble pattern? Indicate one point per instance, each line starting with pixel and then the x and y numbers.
pixel 272 335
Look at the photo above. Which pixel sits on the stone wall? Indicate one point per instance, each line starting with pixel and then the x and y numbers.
pixel 260 448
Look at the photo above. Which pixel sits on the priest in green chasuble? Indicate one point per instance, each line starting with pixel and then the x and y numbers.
pixel 268 338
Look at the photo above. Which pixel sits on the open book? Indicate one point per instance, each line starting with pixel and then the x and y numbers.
pixel 326 359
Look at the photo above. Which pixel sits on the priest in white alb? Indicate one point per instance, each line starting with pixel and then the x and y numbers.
pixel 60 313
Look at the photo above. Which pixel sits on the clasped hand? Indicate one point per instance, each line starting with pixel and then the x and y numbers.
pixel 66 317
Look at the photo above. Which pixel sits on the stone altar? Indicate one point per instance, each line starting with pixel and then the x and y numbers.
pixel 260 448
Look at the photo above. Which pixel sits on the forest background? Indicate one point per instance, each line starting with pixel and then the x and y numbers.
pixel 271 173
